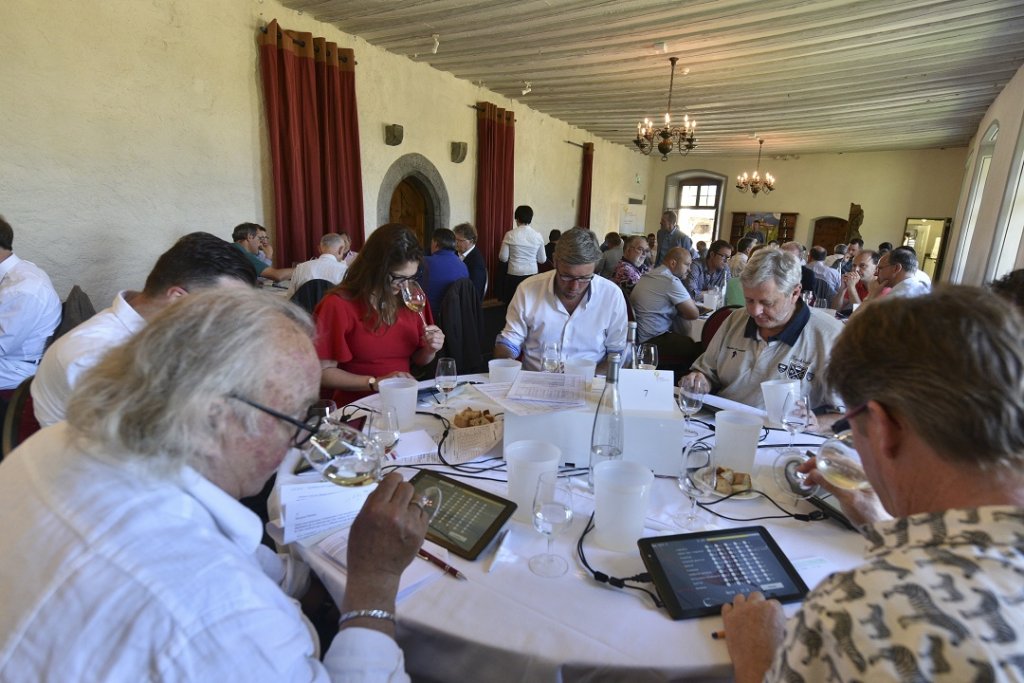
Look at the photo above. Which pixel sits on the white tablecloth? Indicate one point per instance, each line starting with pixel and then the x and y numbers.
pixel 511 625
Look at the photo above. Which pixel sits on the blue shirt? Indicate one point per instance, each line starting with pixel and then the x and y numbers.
pixel 442 269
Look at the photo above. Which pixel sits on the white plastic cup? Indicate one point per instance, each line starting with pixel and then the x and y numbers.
pixel 775 392
pixel 526 461
pixel 736 434
pixel 400 392
pixel 622 491
pixel 583 368
pixel 503 370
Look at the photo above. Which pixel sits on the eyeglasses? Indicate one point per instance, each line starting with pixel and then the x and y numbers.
pixel 721 255
pixel 399 279
pixel 567 279
pixel 304 429
pixel 854 412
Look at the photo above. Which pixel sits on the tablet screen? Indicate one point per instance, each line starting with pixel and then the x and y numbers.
pixel 695 574
pixel 469 517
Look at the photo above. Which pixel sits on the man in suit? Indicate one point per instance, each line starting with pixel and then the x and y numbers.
pixel 465 244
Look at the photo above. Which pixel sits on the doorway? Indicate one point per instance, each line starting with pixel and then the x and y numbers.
pixel 829 231
pixel 409 206
pixel 928 237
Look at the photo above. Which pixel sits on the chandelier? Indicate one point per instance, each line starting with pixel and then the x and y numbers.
pixel 667 136
pixel 755 183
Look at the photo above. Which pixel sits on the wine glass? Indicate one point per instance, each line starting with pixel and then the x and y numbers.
pixel 691 400
pixel 647 357
pixel 796 415
pixel 551 357
pixel 428 500
pixel 837 461
pixel 552 514
pixel 698 476
pixel 323 407
pixel 414 297
pixel 383 428
pixel 343 455
pixel 446 378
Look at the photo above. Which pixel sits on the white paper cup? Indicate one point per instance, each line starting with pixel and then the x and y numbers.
pixel 400 392
pixel 503 369
pixel 736 434
pixel 622 490
pixel 526 460
pixel 775 392
pixel 583 368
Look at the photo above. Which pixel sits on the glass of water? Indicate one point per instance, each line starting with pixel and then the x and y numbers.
pixel 552 514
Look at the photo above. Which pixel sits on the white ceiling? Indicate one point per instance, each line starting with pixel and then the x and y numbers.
pixel 822 76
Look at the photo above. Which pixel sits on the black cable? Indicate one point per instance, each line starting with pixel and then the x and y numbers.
pixel 615 581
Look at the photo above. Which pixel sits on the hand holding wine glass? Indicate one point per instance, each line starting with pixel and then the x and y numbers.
pixel 552 514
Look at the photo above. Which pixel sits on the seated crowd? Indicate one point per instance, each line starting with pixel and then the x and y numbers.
pixel 132 557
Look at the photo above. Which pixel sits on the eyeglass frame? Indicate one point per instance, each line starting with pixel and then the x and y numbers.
pixel 399 279
pixel 307 426
pixel 569 279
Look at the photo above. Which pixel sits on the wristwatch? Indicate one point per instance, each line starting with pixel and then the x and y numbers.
pixel 373 383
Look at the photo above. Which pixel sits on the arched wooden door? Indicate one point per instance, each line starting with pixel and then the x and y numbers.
pixel 829 231
pixel 409 206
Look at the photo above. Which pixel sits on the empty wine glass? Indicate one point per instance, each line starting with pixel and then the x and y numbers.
pixel 551 357
pixel 552 514
pixel 323 407
pixel 691 400
pixel 414 297
pixel 796 415
pixel 647 357
pixel 383 428
pixel 446 378
pixel 698 476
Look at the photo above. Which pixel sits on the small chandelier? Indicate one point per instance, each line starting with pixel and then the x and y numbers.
pixel 668 136
pixel 756 184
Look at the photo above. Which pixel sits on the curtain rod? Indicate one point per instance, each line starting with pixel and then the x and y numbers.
pixel 576 144
pixel 300 43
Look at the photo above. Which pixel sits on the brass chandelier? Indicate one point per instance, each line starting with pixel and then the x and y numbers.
pixel 756 183
pixel 668 136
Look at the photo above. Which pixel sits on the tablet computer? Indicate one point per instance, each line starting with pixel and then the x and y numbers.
pixel 469 517
pixel 695 574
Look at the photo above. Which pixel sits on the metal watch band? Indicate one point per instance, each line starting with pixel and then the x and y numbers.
pixel 367 613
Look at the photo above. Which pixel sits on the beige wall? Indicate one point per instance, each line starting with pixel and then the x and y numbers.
pixel 128 124
pixel 889 186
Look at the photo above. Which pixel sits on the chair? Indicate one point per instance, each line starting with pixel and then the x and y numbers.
pixel 461 320
pixel 308 295
pixel 712 324
pixel 19 421
pixel 74 311
pixel 823 293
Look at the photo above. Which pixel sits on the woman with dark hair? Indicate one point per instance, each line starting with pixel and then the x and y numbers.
pixel 364 331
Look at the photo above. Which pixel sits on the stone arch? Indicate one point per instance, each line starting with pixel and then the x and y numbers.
pixel 427 178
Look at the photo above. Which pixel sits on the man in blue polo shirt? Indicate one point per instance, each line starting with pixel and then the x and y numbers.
pixel 775 337
pixel 247 241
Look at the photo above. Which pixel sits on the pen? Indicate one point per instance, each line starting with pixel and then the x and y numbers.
pixel 444 566
pixel 718 635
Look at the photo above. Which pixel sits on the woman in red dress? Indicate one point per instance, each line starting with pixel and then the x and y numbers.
pixel 364 331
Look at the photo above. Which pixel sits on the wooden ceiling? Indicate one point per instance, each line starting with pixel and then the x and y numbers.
pixel 808 77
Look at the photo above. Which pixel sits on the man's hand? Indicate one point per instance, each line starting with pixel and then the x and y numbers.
pixel 383 541
pixel 433 338
pixel 696 382
pixel 754 630
pixel 860 506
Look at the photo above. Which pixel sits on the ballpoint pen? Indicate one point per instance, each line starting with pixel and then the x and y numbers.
pixel 444 566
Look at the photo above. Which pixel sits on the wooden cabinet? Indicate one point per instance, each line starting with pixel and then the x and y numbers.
pixel 786 223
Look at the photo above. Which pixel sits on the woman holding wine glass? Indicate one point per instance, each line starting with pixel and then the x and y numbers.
pixel 365 332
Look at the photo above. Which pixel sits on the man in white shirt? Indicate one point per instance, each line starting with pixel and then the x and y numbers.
pixel 584 314
pixel 132 558
pixel 328 266
pixel 523 249
pixel 195 262
pixel 29 312
pixel 839 253
pixel 776 337
pixel 898 269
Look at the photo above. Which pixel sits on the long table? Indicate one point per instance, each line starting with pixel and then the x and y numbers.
pixel 511 625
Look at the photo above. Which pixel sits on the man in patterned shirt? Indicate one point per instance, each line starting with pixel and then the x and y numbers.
pixel 633 264
pixel 938 420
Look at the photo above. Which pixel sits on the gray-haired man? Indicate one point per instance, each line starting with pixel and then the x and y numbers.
pixel 584 314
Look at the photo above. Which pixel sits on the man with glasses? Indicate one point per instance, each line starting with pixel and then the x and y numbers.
pixel 712 272
pixel 633 264
pixel 584 314
pixel 196 261
pixel 132 558
pixel 247 240
pixel 939 594
pixel 898 270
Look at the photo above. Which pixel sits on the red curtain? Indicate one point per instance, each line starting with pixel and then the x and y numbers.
pixel 495 175
pixel 309 88
pixel 586 185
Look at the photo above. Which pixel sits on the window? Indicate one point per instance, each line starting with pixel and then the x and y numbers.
pixel 970 219
pixel 693 196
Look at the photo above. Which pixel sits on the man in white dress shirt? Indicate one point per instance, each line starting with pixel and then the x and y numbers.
pixel 29 312
pixel 523 249
pixel 898 269
pixel 328 266
pixel 132 558
pixel 196 261
pixel 583 313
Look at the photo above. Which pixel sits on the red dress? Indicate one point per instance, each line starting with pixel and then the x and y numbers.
pixel 343 335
